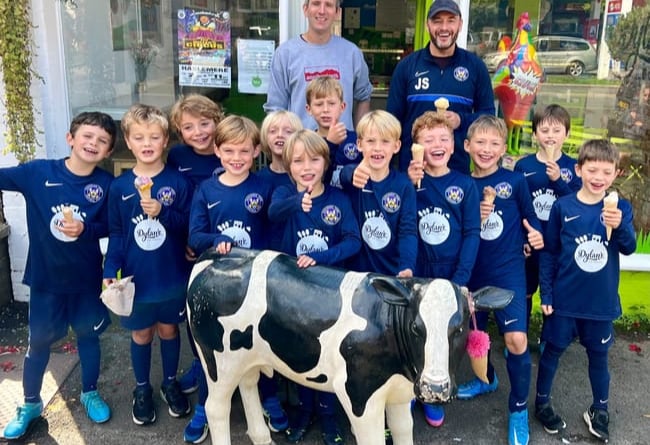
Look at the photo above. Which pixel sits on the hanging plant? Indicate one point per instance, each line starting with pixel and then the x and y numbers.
pixel 17 73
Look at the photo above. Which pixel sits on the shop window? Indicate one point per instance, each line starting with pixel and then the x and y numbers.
pixel 605 88
pixel 125 51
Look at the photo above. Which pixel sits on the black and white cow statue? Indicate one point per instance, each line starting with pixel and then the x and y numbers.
pixel 374 340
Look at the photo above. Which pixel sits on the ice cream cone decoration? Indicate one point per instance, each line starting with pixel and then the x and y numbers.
pixel 143 184
pixel 610 202
pixel 441 105
pixel 489 194
pixel 479 366
pixel 417 151
pixel 67 214
pixel 477 347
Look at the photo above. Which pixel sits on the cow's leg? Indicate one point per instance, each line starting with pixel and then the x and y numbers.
pixel 400 422
pixel 217 410
pixel 369 428
pixel 250 397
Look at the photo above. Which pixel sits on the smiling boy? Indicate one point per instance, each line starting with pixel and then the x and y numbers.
pixel 64 262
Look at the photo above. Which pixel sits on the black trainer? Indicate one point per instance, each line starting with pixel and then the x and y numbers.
pixel 598 422
pixel 295 433
pixel 171 394
pixel 143 411
pixel 551 422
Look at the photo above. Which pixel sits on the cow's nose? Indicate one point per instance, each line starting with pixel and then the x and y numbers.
pixel 433 392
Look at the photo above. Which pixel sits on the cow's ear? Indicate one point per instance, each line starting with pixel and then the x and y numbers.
pixel 490 298
pixel 390 290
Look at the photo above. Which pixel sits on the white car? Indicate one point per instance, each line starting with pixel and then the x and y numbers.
pixel 556 54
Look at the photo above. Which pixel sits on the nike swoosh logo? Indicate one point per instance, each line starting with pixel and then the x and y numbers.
pixel 181 313
pixel 52 184
pixel 527 174
pixel 184 169
pixel 521 403
pixel 507 322
pixel 213 204
pixel 96 328
pixel 418 73
pixel 127 197
pixel 366 191
pixel 603 401
pixel 570 218
pixel 605 340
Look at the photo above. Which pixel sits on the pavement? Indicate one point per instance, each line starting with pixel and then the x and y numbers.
pixel 479 421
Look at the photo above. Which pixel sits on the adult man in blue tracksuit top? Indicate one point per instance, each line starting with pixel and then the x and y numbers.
pixel 442 69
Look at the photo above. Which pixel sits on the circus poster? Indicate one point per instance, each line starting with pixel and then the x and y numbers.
pixel 204 48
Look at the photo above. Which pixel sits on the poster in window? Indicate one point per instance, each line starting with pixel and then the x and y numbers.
pixel 254 62
pixel 204 48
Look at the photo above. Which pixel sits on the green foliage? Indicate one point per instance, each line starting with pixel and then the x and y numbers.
pixel 16 66
pixel 642 242
pixel 631 35
pixel 635 321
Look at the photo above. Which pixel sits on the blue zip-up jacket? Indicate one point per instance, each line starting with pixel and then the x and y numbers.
pixel 418 81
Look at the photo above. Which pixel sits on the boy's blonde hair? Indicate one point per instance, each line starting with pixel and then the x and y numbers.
pixel 144 115
pixel 487 122
pixel 273 118
pixel 196 105
pixel 314 144
pixel 322 87
pixel 599 150
pixel 429 120
pixel 237 129
pixel 385 123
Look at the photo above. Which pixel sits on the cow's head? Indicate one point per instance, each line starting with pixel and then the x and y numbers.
pixel 441 324
pixel 430 325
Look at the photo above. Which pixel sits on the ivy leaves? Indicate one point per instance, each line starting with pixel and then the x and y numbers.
pixel 16 67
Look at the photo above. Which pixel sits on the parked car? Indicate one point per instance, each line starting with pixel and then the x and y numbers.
pixel 556 54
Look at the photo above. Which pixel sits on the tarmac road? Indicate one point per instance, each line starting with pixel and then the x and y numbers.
pixel 479 421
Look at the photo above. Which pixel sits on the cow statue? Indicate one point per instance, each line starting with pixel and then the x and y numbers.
pixel 373 340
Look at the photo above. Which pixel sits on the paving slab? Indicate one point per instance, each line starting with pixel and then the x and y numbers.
pixel 479 421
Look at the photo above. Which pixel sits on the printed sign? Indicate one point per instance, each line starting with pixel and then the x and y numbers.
pixel 204 48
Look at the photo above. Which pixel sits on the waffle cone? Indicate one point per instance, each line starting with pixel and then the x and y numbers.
pixel 145 192
pixel 610 202
pixel 417 151
pixel 67 214
pixel 489 195
pixel 479 366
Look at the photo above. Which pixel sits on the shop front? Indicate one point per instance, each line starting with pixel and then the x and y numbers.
pixel 108 55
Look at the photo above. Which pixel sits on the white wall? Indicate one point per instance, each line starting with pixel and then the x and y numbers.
pixel 51 118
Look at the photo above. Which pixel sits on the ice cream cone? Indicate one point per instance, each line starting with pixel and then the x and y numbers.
pixel 479 366
pixel 610 202
pixel 417 152
pixel 441 105
pixel 67 214
pixel 489 194
pixel 143 184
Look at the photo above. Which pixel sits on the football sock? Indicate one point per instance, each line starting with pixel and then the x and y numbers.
pixel 547 368
pixel 599 378
pixel 141 360
pixel 33 371
pixel 89 357
pixel 268 387
pixel 518 366
pixel 170 352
